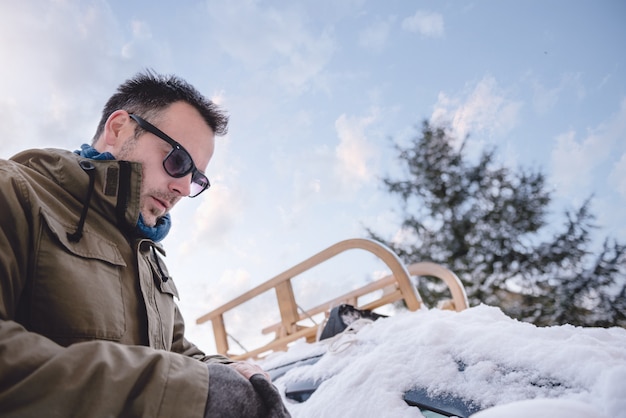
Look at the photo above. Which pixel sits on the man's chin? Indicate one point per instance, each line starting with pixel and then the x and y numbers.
pixel 149 220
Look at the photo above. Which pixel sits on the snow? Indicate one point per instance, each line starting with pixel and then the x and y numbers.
pixel 553 408
pixel 512 367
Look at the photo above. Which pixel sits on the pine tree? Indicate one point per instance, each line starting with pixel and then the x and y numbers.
pixel 488 224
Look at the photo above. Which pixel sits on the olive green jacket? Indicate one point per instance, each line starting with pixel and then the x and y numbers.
pixel 89 326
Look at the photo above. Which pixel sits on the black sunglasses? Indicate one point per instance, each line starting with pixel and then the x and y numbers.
pixel 177 163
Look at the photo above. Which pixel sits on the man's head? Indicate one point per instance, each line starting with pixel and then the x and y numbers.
pixel 161 121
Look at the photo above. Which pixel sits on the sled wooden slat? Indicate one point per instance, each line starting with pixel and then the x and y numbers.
pixel 425 268
pixel 278 344
pixel 287 305
pixel 352 299
pixel 219 331
pixel 459 298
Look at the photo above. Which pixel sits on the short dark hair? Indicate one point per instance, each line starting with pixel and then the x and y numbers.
pixel 148 93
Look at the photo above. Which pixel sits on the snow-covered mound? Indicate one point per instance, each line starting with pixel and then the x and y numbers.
pixel 479 355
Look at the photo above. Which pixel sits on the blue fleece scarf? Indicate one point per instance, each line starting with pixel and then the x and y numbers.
pixel 156 233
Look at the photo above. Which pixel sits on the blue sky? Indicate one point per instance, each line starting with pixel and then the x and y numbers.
pixel 316 92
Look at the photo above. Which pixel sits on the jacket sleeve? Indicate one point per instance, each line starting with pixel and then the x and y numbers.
pixel 183 346
pixel 97 378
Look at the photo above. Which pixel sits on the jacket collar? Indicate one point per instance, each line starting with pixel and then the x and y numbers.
pixel 116 188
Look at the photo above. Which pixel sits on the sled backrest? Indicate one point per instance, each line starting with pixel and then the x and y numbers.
pixel 395 287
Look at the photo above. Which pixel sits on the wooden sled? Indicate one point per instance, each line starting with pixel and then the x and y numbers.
pixel 392 288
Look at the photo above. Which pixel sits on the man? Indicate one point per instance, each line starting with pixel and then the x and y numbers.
pixel 88 322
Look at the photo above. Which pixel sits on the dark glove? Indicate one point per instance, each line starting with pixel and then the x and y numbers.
pixel 233 396
pixel 270 396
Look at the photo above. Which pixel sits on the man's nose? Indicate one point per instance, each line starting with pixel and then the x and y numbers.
pixel 181 185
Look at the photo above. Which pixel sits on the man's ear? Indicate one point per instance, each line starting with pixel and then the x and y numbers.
pixel 117 128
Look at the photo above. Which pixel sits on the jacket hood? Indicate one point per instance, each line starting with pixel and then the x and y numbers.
pixel 116 184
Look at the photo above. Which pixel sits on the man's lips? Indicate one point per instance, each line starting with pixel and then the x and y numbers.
pixel 163 204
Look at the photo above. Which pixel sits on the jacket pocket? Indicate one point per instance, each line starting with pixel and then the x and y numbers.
pixel 77 292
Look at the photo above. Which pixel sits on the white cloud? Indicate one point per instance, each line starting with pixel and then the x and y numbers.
pixel 484 110
pixel 618 176
pixel 354 153
pixel 576 163
pixel 428 24
pixel 617 133
pixel 573 161
pixel 595 164
pixel 545 98
pixel 234 282
pixel 216 215
pixel 315 185
pixel 219 98
pixel 61 53
pixel 306 193
pixel 305 60
pixel 141 37
pixel 10 119
pixel 375 36
pixel 276 45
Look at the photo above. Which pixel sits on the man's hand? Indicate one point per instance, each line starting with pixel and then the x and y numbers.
pixel 248 370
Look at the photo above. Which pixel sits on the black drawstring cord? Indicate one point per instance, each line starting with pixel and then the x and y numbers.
pixel 88 168
pixel 164 277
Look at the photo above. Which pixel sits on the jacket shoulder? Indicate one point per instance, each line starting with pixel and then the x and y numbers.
pixel 47 157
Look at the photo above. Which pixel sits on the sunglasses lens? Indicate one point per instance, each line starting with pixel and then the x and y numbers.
pixel 199 183
pixel 178 163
